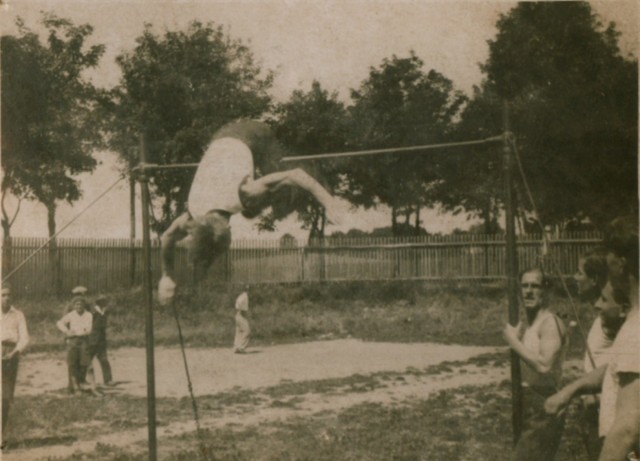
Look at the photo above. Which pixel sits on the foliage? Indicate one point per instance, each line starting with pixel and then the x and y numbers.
pixel 49 124
pixel 400 105
pixel 314 123
pixel 574 108
pixel 472 177
pixel 178 88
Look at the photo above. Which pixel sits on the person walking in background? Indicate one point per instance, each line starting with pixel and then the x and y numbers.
pixel 76 326
pixel 98 341
pixel 243 330
pixel 15 338
pixel 541 345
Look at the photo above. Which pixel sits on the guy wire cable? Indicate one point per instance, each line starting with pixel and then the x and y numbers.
pixel 28 258
pixel 545 238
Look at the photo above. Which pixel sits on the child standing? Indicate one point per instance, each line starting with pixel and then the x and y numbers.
pixel 76 326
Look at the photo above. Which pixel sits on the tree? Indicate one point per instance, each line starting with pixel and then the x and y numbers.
pixel 49 127
pixel 179 88
pixel 400 105
pixel 574 108
pixel 472 177
pixel 309 124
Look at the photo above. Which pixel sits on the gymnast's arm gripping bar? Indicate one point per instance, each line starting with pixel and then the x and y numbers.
pixel 393 150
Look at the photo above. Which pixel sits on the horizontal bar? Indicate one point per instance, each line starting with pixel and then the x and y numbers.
pixel 392 150
pixel 155 166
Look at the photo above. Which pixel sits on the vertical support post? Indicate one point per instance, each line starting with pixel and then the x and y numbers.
pixel 512 276
pixel 148 295
pixel 132 224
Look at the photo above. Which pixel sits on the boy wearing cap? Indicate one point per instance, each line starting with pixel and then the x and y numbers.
pixel 243 330
pixel 76 326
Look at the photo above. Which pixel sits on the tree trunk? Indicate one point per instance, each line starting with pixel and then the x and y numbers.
pixel 6 228
pixel 6 246
pixel 7 255
pixel 323 223
pixel 132 230
pixel 394 221
pixel 54 255
pixel 488 222
pixel 417 227
pixel 314 231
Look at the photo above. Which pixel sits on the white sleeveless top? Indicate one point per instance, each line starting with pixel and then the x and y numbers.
pixel 531 340
pixel 223 167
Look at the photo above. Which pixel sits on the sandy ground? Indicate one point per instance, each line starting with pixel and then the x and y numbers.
pixel 219 370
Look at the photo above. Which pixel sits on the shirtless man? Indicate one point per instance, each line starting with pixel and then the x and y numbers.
pixel 541 345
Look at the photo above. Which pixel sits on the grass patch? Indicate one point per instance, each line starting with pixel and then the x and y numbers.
pixel 54 418
pixel 471 422
pixel 388 311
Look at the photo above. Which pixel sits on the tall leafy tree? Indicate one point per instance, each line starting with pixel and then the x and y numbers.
pixel 313 123
pixel 179 88
pixel 472 179
pixel 49 127
pixel 574 108
pixel 398 105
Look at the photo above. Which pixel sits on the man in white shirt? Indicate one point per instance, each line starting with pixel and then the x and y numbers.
pixel 15 338
pixel 76 326
pixel 592 282
pixel 619 379
pixel 243 329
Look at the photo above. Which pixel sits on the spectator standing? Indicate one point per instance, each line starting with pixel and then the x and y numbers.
pixel 243 329
pixel 591 280
pixel 15 338
pixel 620 406
pixel 541 345
pixel 98 340
pixel 619 378
pixel 76 326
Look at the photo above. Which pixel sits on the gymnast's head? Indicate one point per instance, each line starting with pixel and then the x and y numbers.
pixel 210 238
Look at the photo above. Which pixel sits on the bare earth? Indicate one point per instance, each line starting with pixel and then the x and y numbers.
pixel 219 370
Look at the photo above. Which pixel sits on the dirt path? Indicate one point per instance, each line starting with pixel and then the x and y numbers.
pixel 219 370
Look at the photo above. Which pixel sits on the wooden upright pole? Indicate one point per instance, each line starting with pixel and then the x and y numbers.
pixel 146 241
pixel 512 276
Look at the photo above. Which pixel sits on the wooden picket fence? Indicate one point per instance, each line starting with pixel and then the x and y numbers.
pixel 105 265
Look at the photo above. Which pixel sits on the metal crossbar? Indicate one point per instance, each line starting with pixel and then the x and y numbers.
pixel 298 158
pixel 393 150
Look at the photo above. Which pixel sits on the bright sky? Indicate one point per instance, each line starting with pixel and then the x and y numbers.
pixel 333 42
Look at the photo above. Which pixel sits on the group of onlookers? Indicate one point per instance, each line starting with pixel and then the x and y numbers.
pixel 608 277
pixel 85 328
pixel 84 325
